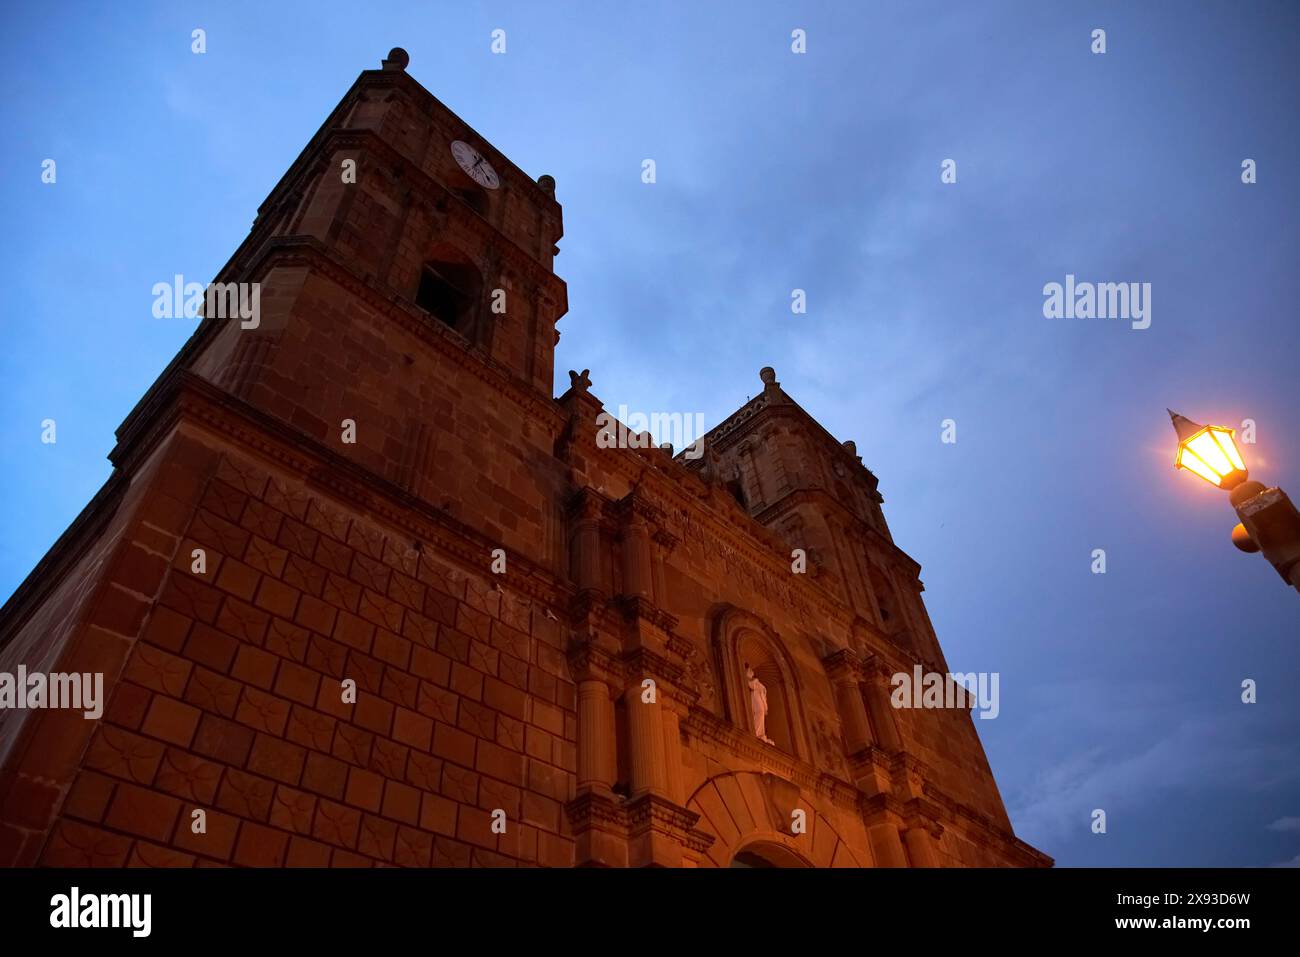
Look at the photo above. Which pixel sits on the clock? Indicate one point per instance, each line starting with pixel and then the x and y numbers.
pixel 475 165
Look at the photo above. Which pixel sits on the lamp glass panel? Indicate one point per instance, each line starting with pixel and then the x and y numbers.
pixel 1227 441
pixel 1191 461
pixel 1209 451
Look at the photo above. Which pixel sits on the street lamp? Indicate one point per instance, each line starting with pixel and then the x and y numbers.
pixel 1269 522
pixel 1209 451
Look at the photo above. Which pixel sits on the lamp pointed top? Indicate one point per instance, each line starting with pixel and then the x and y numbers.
pixel 1184 426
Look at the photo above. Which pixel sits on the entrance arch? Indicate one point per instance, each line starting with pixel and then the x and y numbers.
pixel 767 854
pixel 738 809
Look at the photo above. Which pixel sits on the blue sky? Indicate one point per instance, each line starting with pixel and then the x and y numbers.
pixel 779 171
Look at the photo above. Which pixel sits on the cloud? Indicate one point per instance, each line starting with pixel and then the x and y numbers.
pixel 1057 805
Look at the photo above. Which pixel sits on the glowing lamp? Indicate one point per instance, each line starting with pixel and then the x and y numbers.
pixel 1209 451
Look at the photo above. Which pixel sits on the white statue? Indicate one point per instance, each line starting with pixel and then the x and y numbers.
pixel 758 704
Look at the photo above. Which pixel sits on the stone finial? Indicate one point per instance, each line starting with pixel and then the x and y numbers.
pixel 579 383
pixel 547 183
pixel 768 375
pixel 851 447
pixel 397 59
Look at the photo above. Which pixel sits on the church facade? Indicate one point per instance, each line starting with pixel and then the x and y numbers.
pixel 363 592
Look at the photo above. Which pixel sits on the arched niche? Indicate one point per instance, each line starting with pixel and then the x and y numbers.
pixel 741 639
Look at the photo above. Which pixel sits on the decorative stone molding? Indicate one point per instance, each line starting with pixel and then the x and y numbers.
pixel 924 814
pixel 844 662
pixel 639 822
pixel 636 608
pixel 588 661
pixel 644 663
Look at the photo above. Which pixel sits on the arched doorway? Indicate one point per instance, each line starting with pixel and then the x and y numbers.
pixel 745 798
pixel 767 854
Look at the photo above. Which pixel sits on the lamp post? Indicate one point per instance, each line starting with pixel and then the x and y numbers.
pixel 1269 522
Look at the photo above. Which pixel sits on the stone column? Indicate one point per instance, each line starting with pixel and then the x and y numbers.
pixel 673 754
pixel 920 847
pixel 664 543
pixel 587 540
pixel 636 556
pixel 596 758
pixel 882 713
pixel 842 667
pixel 645 732
pixel 886 846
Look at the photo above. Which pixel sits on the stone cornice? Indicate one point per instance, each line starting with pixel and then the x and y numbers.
pixel 593 810
pixel 592 658
pixel 636 608
pixel 883 804
pixel 631 817
pixel 924 814
pixel 634 506
pixel 666 540
pixel 652 811
pixel 588 660
pixel 683 648
pixel 588 505
pixel 590 606
pixel 843 661
pixel 644 663
pixel 869 756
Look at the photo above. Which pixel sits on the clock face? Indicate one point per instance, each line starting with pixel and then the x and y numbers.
pixel 475 164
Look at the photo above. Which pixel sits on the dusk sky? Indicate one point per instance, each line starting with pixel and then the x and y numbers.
pixel 817 171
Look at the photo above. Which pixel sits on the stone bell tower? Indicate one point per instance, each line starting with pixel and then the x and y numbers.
pixel 296 503
pixel 793 477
